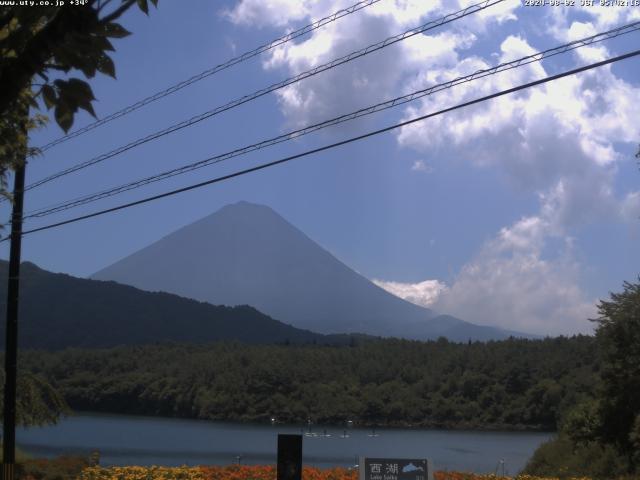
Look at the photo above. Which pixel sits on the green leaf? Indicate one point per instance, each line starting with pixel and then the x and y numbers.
pixel 88 107
pixel 115 30
pixel 144 6
pixel 108 45
pixel 74 94
pixel 105 65
pixel 88 67
pixel 79 89
pixel 64 116
pixel 49 96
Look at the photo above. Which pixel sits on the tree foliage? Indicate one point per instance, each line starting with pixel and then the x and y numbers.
pixel 618 336
pixel 14 130
pixel 514 384
pixel 562 458
pixel 41 49
pixel 37 402
pixel 601 435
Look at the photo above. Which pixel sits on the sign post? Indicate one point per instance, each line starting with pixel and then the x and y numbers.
pixel 289 457
pixel 395 469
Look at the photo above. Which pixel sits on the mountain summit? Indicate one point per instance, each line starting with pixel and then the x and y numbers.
pixel 248 254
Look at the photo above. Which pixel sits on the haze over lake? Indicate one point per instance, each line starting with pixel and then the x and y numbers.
pixel 131 440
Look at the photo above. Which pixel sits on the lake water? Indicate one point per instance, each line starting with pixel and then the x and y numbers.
pixel 131 440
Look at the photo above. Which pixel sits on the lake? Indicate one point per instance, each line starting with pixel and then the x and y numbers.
pixel 133 440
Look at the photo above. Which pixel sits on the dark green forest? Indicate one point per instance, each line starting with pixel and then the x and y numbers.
pixel 512 384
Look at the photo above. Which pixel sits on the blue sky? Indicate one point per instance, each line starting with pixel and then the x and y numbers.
pixel 521 212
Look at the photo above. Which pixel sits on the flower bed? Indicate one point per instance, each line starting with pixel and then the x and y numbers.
pixel 242 472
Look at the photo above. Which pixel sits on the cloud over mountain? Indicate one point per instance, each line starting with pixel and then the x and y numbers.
pixel 561 143
pixel 556 141
pixel 423 293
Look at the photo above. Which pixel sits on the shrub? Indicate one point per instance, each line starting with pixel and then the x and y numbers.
pixel 562 458
pixel 60 468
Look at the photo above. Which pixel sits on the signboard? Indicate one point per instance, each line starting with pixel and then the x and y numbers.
pixel 289 457
pixel 395 469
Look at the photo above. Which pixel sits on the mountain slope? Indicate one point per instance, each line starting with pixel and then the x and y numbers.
pixel 248 254
pixel 58 311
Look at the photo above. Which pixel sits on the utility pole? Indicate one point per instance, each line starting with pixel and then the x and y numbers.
pixel 11 331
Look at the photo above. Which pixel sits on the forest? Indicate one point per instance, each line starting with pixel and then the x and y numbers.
pixel 512 384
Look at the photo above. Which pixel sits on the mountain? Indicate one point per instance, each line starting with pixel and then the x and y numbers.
pixel 59 311
pixel 248 254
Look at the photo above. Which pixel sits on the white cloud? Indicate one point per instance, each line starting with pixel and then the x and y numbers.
pixel 509 284
pixel 348 87
pixel 370 79
pixel 423 293
pixel 263 13
pixel 564 25
pixel 406 12
pixel 421 166
pixel 569 24
pixel 557 142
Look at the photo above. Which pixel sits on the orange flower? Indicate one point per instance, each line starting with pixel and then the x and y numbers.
pixel 254 472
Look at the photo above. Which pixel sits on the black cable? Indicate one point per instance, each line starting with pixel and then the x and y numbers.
pixel 276 86
pixel 211 71
pixel 333 145
pixel 537 57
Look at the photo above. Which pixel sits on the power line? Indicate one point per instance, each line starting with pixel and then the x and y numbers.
pixel 212 71
pixel 259 93
pixel 333 145
pixel 276 86
pixel 537 57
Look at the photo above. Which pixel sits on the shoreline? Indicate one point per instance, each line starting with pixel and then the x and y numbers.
pixel 315 426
